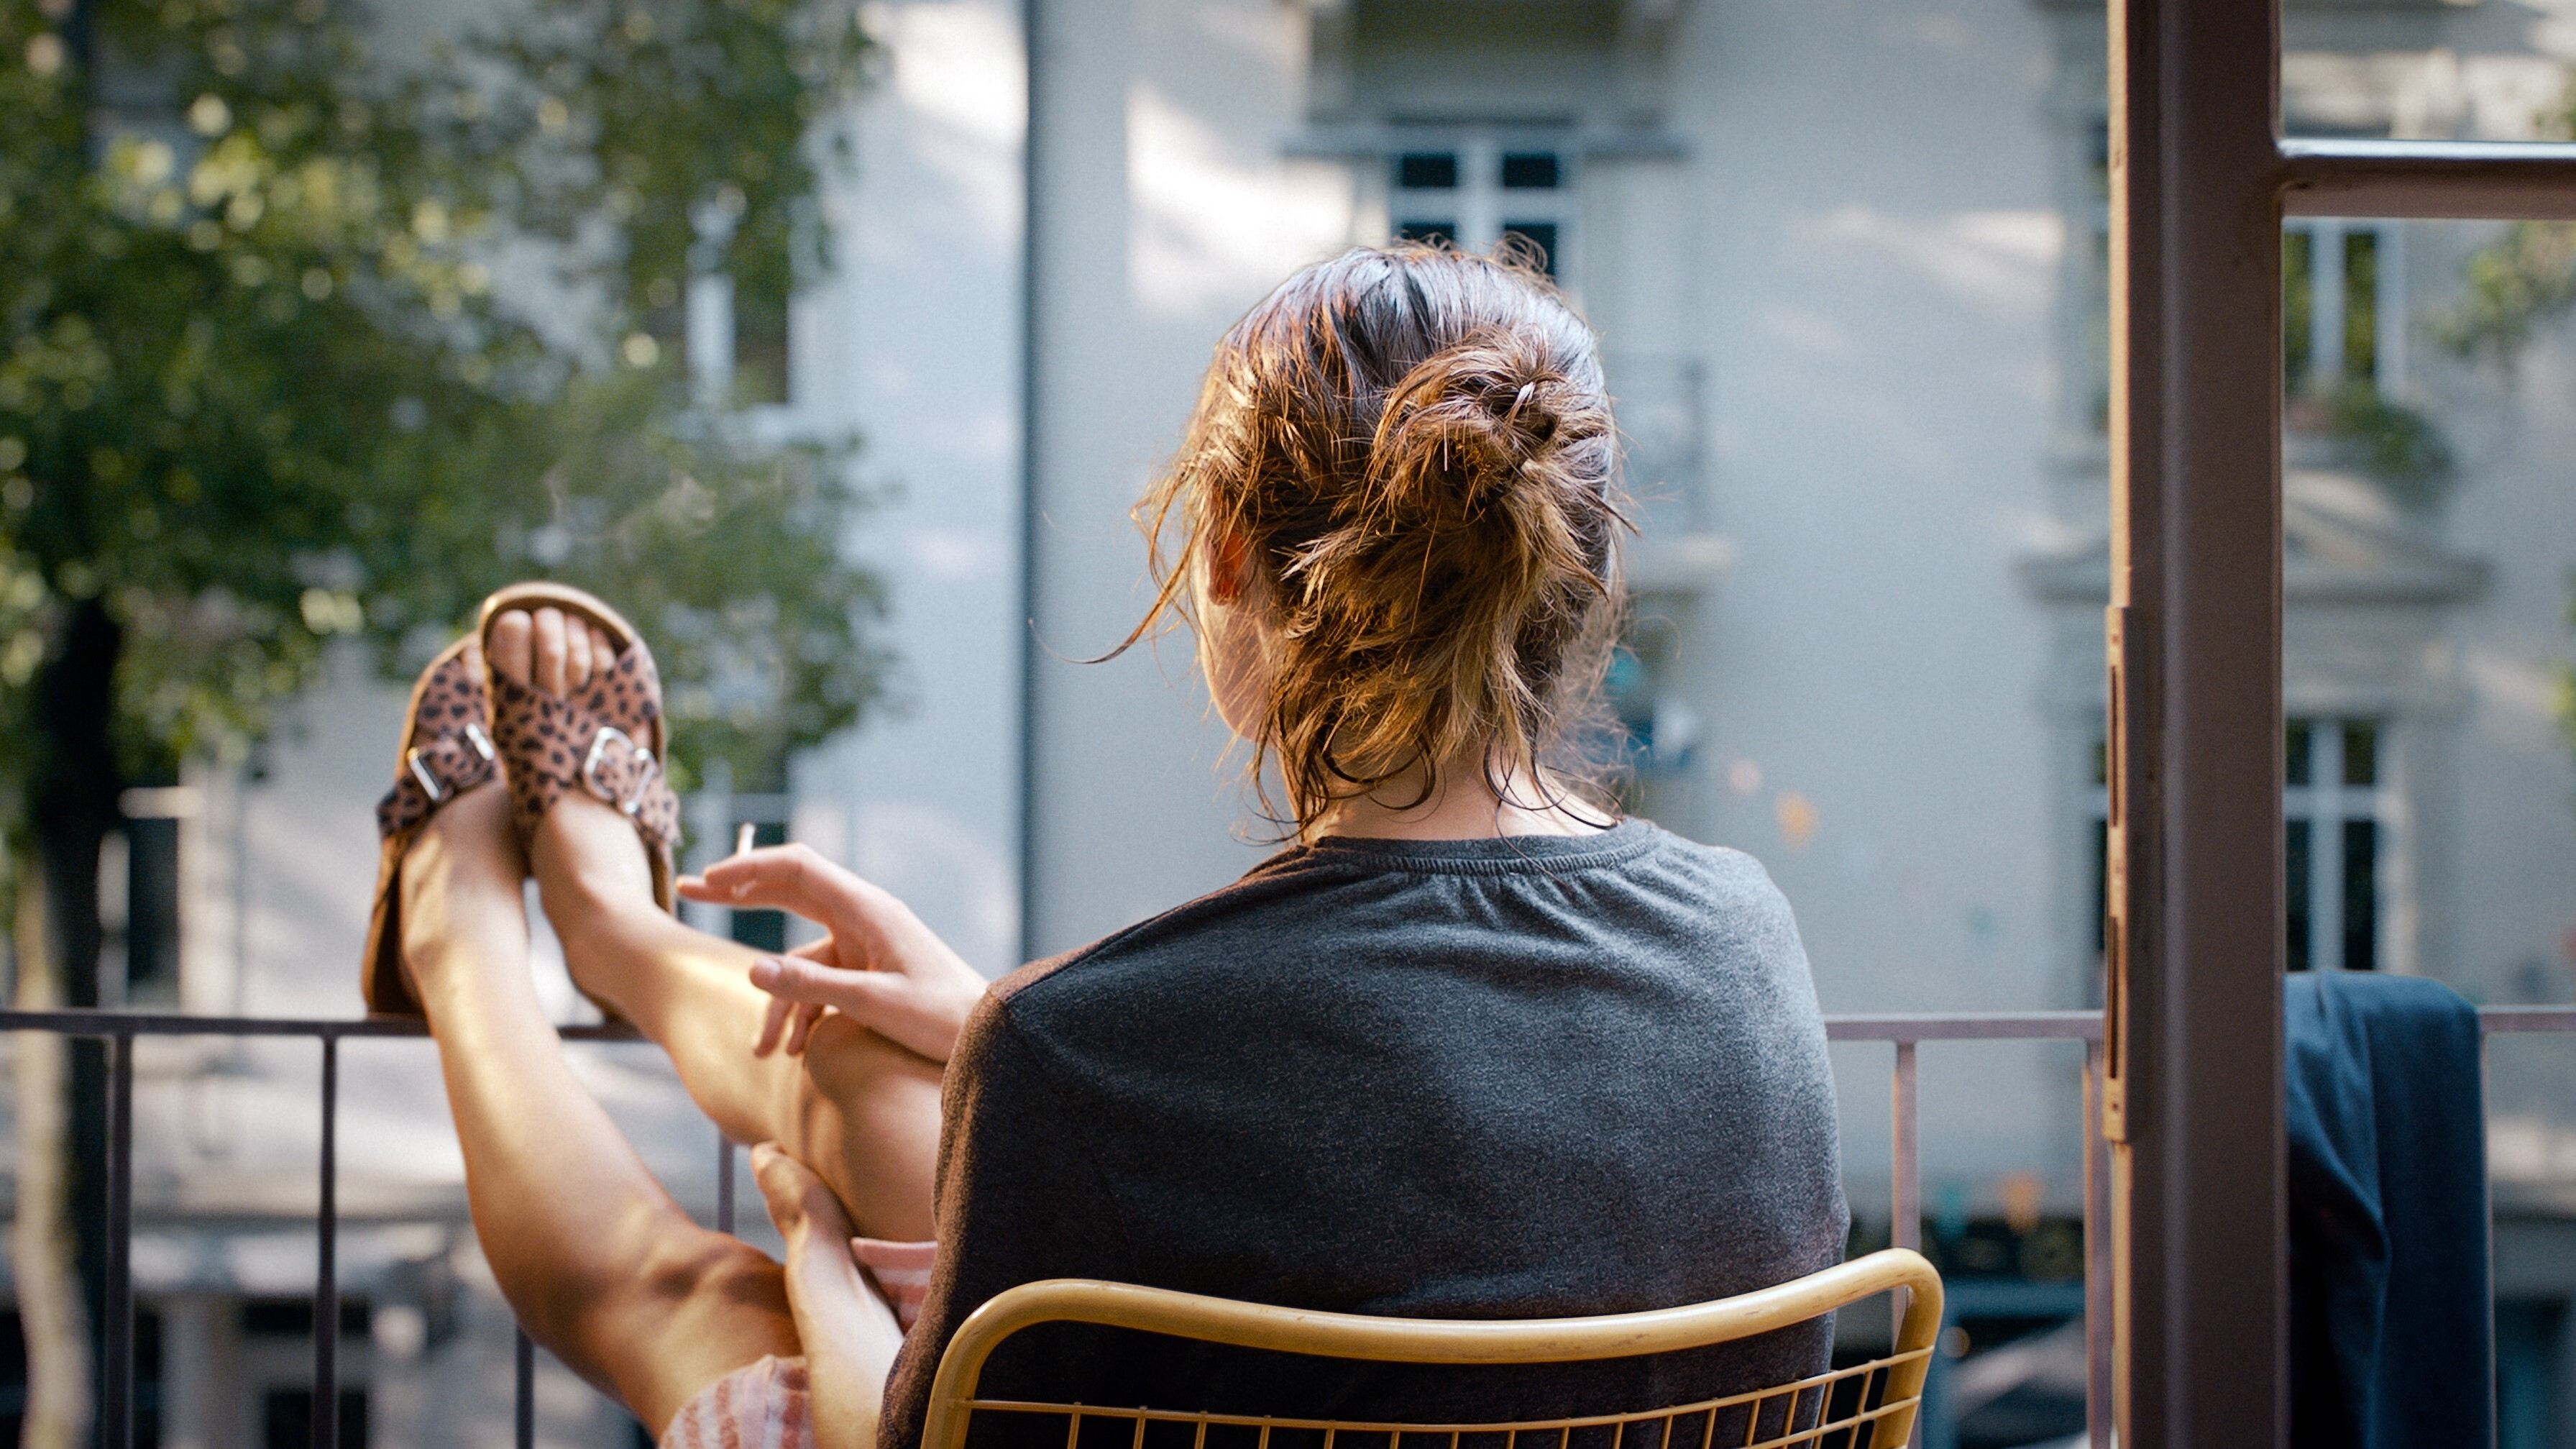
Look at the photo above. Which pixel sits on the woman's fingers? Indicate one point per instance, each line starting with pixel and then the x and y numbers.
pixel 800 1027
pixel 797 1200
pixel 800 978
pixel 779 877
pixel 772 1023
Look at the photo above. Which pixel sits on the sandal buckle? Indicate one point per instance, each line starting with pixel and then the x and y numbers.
pixel 430 784
pixel 651 770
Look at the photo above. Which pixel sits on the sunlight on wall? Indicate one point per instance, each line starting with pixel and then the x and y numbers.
pixel 2000 259
pixel 957 68
pixel 1214 226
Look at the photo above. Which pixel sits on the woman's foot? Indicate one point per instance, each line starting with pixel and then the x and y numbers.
pixel 461 893
pixel 589 863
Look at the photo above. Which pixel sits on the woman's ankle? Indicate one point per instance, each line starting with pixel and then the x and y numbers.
pixel 590 864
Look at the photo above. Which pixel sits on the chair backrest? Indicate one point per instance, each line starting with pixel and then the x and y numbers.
pixel 1881 1409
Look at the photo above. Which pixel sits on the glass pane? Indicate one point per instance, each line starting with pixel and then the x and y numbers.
pixel 2296 245
pixel 1426 171
pixel 2361 753
pixel 1529 170
pixel 1438 233
pixel 2419 70
pixel 2361 307
pixel 1539 238
pixel 2296 759
pixel 2429 533
pixel 2295 892
pixel 2360 895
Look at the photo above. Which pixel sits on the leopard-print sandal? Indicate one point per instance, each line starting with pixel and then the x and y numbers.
pixel 605 739
pixel 446 750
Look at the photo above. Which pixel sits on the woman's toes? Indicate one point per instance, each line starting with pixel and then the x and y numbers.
pixel 550 650
pixel 514 647
pixel 603 653
pixel 577 660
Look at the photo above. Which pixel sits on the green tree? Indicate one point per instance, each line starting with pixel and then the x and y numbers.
pixel 301 338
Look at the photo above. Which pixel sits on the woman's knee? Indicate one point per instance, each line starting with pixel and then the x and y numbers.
pixel 866 1113
pixel 693 1265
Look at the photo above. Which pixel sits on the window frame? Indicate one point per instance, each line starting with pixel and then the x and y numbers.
pixel 2201 178
pixel 1480 207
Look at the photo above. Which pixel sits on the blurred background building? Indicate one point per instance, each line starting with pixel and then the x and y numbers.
pixel 1848 257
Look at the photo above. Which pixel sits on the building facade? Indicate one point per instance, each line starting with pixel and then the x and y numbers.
pixel 1848 263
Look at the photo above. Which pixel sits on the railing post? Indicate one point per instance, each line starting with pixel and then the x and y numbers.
pixel 1905 1222
pixel 2097 1258
pixel 326 1275
pixel 523 1408
pixel 724 1182
pixel 116 1417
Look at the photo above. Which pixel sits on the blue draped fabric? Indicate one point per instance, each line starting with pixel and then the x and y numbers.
pixel 2390 1317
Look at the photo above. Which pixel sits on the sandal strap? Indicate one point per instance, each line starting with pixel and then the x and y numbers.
pixel 591 741
pixel 445 759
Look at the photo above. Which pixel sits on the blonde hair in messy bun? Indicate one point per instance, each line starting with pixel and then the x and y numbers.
pixel 1417 447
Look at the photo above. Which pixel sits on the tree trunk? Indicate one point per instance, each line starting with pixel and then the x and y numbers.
pixel 41 1253
pixel 75 798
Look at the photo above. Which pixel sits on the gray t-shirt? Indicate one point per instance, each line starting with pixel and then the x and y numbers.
pixel 1481 1078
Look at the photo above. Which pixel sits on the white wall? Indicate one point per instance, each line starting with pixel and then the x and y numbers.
pixel 1166 209
pixel 913 340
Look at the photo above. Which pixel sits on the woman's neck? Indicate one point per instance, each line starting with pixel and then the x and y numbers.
pixel 1462 804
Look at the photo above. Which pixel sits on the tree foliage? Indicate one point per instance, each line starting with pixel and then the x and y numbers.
pixel 308 330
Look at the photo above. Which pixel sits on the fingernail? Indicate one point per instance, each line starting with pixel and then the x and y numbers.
pixel 766 972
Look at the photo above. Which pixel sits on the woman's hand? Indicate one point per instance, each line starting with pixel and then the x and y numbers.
pixel 879 966
pixel 849 1333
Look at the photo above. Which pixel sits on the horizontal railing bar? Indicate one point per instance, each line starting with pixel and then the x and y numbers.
pixel 1967 1026
pixel 95 1022
pixel 1847 1026
pixel 2467 180
pixel 2510 1019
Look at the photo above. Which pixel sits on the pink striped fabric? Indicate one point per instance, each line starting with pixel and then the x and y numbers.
pixel 901 1272
pixel 766 1405
pixel 761 1405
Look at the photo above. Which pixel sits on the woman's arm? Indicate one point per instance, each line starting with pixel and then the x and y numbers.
pixel 850 1335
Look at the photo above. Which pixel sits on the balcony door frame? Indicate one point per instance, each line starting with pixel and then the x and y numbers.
pixel 2201 178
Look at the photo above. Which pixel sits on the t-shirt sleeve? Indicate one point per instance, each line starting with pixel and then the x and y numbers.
pixel 1017 1200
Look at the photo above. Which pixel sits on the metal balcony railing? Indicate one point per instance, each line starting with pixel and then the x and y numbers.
pixel 1904 1033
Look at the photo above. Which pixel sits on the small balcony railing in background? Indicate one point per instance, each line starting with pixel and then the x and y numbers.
pixel 1904 1033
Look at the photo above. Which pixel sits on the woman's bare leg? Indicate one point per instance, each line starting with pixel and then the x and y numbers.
pixel 859 1110
pixel 598 1262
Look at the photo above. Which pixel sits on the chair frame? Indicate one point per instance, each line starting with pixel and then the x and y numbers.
pixel 954 1401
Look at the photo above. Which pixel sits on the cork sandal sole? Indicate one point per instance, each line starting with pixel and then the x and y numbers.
pixel 383 981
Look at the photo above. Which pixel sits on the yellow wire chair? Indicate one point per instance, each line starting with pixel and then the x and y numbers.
pixel 1888 1419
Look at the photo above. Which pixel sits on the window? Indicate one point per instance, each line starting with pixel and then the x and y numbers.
pixel 2342 309
pixel 2330 818
pixel 1474 192
pixel 2333 845
pixel 728 317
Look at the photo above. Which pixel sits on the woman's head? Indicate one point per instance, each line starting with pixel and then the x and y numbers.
pixel 1394 524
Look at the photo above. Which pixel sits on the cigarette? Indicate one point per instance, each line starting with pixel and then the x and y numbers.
pixel 743 835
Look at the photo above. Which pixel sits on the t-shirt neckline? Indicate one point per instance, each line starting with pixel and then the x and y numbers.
pixel 1483 854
